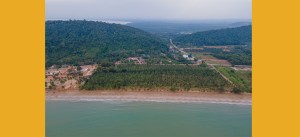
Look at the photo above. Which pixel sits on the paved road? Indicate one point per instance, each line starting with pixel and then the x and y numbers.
pixel 212 66
pixel 181 51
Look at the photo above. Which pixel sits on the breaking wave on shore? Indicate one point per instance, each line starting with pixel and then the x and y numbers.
pixel 149 99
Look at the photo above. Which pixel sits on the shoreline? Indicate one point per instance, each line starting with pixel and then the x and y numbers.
pixel 150 96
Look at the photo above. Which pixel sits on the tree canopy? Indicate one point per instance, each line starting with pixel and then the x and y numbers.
pixel 156 76
pixel 229 36
pixel 86 42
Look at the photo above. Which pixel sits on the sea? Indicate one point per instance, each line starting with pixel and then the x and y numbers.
pixel 146 119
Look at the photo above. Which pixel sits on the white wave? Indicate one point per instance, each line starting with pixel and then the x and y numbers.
pixel 119 99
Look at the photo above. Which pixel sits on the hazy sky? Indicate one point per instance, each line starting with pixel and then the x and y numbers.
pixel 149 9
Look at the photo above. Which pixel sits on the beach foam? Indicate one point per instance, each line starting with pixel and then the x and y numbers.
pixel 150 99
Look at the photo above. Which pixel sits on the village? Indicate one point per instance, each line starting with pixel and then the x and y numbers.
pixel 132 60
pixel 67 76
pixel 196 56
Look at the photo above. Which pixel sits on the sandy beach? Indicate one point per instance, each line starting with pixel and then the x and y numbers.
pixel 152 96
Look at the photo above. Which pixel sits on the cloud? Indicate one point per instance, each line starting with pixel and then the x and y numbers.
pixel 64 1
pixel 149 9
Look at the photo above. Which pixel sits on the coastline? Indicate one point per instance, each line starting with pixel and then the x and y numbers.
pixel 150 96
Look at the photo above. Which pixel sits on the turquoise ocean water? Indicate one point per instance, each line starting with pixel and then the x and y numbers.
pixel 146 119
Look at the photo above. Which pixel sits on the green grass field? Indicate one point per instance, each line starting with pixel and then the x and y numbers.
pixel 241 79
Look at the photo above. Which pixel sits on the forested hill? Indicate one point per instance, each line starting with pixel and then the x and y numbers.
pixel 230 36
pixel 88 42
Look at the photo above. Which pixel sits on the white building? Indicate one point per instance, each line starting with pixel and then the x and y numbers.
pixel 185 56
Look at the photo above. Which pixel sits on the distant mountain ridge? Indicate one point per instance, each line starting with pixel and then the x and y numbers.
pixel 229 36
pixel 87 42
pixel 240 24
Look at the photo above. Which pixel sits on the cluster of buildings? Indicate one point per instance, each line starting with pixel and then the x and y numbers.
pixel 134 60
pixel 137 60
pixel 68 76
